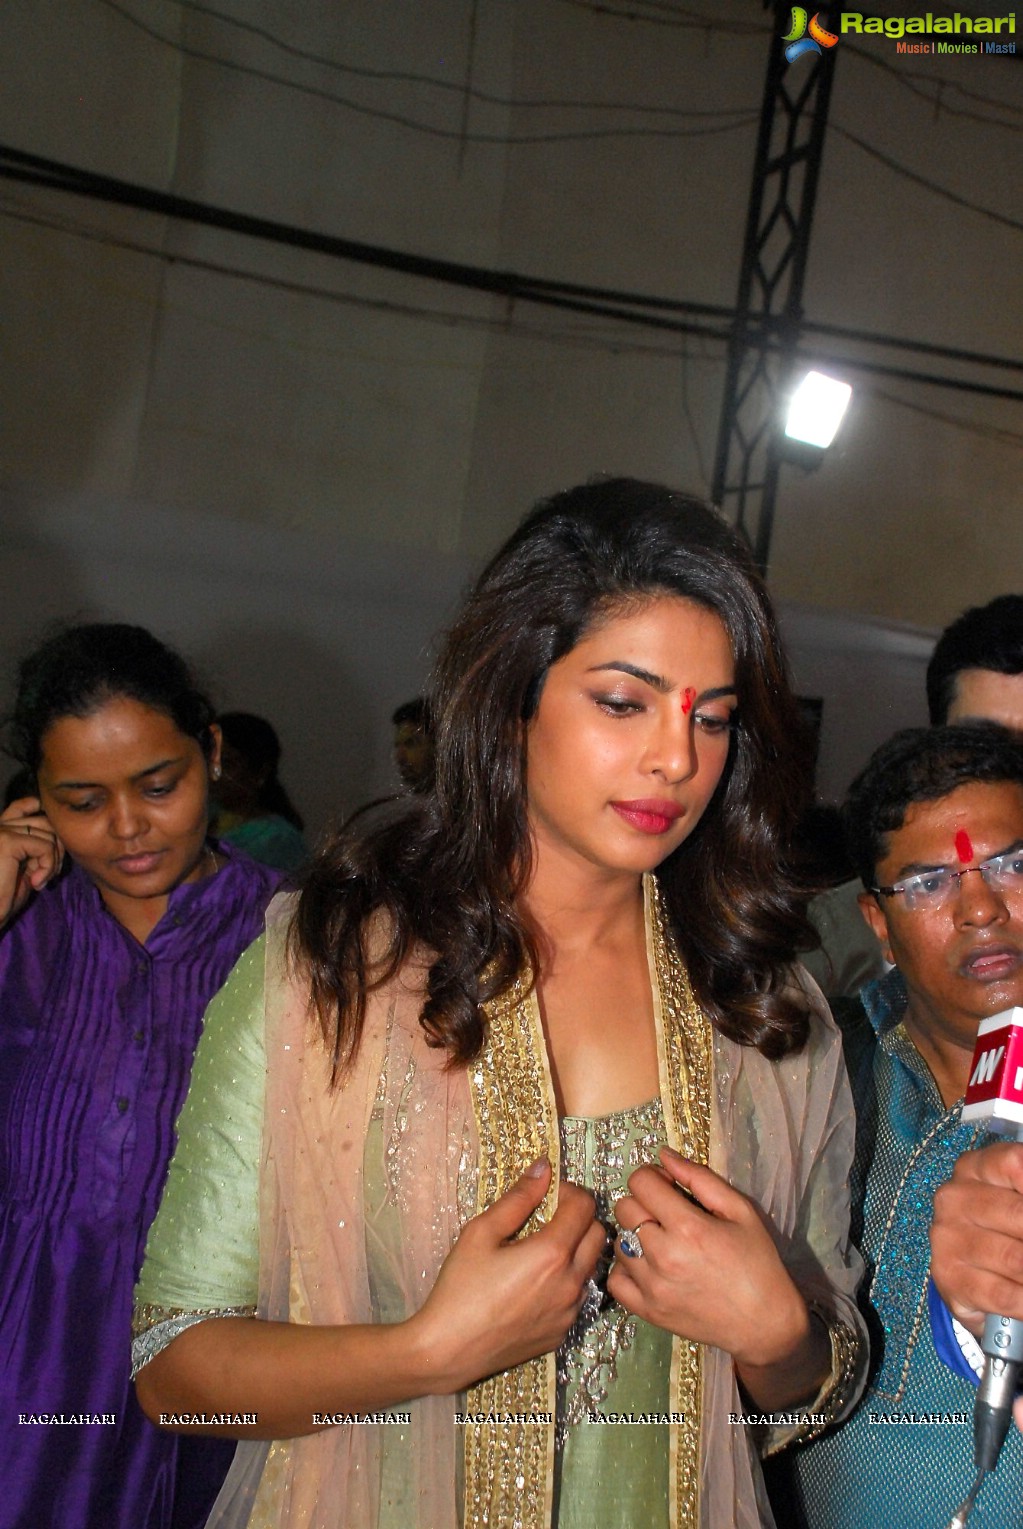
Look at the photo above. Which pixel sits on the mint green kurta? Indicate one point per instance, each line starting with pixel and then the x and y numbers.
pixel 203 1255
pixel 613 1473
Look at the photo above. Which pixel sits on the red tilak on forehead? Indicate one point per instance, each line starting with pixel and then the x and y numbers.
pixel 964 849
pixel 688 697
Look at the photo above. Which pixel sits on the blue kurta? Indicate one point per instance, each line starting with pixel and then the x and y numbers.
pixel 874 1470
pixel 97 1034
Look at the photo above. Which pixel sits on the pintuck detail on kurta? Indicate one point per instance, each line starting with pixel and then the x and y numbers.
pixel 97 1034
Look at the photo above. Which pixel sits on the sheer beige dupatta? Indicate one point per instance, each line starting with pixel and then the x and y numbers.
pixel 783 1133
pixel 417 1128
pixel 326 1222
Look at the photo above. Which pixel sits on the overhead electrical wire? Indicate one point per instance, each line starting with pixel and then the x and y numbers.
pixel 633 309
pixel 995 433
pixel 914 81
pixel 936 96
pixel 740 118
pixel 511 325
pixel 903 77
pixel 940 87
pixel 668 16
pixel 403 76
pixel 460 133
pixel 32 169
pixel 639 310
pixel 52 173
pixel 925 182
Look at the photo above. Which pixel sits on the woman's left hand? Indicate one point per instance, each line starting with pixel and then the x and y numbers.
pixel 712 1274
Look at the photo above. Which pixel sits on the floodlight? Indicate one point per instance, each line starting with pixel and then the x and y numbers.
pixel 816 409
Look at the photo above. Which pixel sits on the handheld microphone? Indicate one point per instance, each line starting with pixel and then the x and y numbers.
pixel 994 1096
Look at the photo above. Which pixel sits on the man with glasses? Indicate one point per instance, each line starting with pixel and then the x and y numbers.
pixel 975 672
pixel 935 827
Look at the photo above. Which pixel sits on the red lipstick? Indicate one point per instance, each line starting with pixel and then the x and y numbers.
pixel 649 815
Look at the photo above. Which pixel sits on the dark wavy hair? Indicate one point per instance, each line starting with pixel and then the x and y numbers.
pixel 416 711
pixel 923 764
pixel 79 668
pixel 984 637
pixel 446 870
pixel 256 740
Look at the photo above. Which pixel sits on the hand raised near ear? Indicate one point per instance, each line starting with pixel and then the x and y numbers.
pixel 30 854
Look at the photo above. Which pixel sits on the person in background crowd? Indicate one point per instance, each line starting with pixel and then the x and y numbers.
pixel 936 828
pixel 254 812
pixel 413 744
pixel 976 669
pixel 104 976
pixel 977 1235
pixel 849 955
pixel 571 960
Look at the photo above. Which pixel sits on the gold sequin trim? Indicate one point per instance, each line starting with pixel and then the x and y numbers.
pixel 587 1361
pixel 146 1316
pixel 834 1396
pixel 509 1467
pixel 684 1047
pixel 832 1399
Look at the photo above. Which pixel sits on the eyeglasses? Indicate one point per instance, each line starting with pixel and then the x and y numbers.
pixel 933 889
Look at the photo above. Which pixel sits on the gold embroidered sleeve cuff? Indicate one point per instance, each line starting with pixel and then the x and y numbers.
pixel 154 1327
pixel 833 1400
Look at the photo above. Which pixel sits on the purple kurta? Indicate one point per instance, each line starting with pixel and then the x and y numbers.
pixel 97 1035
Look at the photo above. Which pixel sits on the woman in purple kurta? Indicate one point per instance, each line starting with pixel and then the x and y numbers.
pixel 104 977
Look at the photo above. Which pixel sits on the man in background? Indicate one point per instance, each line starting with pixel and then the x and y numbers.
pixel 976 669
pixel 977 1235
pixel 413 744
pixel 974 673
pixel 936 830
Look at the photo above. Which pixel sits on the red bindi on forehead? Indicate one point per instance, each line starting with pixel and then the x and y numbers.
pixel 964 849
pixel 688 697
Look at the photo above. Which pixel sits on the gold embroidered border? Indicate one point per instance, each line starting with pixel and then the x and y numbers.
pixel 833 1396
pixel 684 1050
pixel 509 1467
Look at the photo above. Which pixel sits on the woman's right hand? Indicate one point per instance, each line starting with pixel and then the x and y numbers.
pixel 498 1302
pixel 30 854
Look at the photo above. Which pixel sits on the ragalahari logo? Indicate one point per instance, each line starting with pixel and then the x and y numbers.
pixel 796 37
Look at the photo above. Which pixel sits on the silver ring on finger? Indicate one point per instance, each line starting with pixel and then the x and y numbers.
pixel 629 1241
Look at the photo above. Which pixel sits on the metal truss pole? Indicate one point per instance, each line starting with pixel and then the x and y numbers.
pixel 769 311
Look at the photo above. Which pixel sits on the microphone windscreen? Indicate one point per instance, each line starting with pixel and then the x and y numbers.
pixel 995 1090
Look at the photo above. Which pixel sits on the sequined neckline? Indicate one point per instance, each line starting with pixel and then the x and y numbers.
pixel 636 1114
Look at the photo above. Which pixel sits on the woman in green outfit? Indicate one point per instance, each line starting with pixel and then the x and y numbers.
pixel 568 965
pixel 254 811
